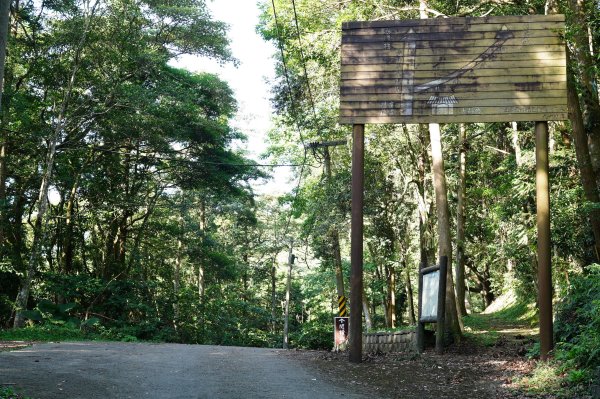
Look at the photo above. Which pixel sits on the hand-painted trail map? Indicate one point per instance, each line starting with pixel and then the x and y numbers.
pixel 492 69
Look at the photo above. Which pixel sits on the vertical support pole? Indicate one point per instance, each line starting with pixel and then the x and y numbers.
pixel 420 324
pixel 542 188
pixel 441 306
pixel 356 243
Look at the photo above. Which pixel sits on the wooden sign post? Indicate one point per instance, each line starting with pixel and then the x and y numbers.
pixel 445 70
pixel 340 333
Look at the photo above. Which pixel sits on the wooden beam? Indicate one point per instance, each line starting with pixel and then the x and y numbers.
pixel 542 189
pixel 356 243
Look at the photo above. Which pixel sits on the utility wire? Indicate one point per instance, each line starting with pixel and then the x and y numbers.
pixel 191 161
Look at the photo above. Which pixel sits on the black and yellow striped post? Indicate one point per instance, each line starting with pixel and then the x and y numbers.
pixel 343 310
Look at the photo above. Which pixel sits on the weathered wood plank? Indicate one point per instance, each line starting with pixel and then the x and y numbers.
pixel 447 110
pixel 534 53
pixel 451 87
pixel 467 102
pixel 467 21
pixel 482 95
pixel 446 36
pixel 478 71
pixel 345 120
pixel 374 43
pixel 432 66
pixel 440 28
pixel 364 79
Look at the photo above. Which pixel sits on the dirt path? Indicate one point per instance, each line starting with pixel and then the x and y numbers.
pixel 463 372
pixel 123 370
pixel 485 365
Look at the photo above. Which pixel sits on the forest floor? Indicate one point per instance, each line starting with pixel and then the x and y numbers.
pixel 489 363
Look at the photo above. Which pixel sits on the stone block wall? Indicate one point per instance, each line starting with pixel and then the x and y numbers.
pixel 401 341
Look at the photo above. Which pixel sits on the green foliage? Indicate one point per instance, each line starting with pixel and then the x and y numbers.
pixel 313 335
pixel 577 341
pixel 577 327
pixel 10 393
pixel 56 314
pixel 45 333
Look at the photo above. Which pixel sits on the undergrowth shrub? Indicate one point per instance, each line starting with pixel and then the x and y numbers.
pixel 577 327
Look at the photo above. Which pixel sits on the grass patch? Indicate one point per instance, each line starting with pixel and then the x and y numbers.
pixel 10 393
pixel 549 378
pixel 517 314
pixel 544 379
pixel 483 328
pixel 44 333
pixel 48 332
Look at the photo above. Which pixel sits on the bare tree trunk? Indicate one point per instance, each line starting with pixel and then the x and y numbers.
pixel 459 269
pixel 452 326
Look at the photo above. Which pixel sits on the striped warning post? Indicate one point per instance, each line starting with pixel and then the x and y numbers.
pixel 343 311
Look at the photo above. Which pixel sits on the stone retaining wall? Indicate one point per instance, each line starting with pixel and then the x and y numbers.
pixel 401 341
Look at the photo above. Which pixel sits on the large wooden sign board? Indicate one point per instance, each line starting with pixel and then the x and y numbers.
pixel 492 69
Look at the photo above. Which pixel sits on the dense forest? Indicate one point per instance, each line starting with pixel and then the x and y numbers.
pixel 127 210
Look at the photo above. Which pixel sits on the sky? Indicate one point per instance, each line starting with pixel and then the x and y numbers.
pixel 249 80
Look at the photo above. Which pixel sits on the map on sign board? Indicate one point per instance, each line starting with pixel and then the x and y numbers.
pixel 492 69
pixel 429 295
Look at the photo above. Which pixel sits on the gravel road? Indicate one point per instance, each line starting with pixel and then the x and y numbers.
pixel 124 370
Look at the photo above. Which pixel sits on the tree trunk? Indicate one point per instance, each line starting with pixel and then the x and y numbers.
pixel 409 295
pixel 587 80
pixel 365 305
pixel 337 261
pixel 288 286
pixel 452 325
pixel 273 296
pixel 584 162
pixel 459 269
pixel 35 254
pixel 380 278
pixel 391 295
pixel 245 277
pixel 200 265
pixel 334 234
pixel 515 143
pixel 68 241
pixel 4 24
pixel 177 274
